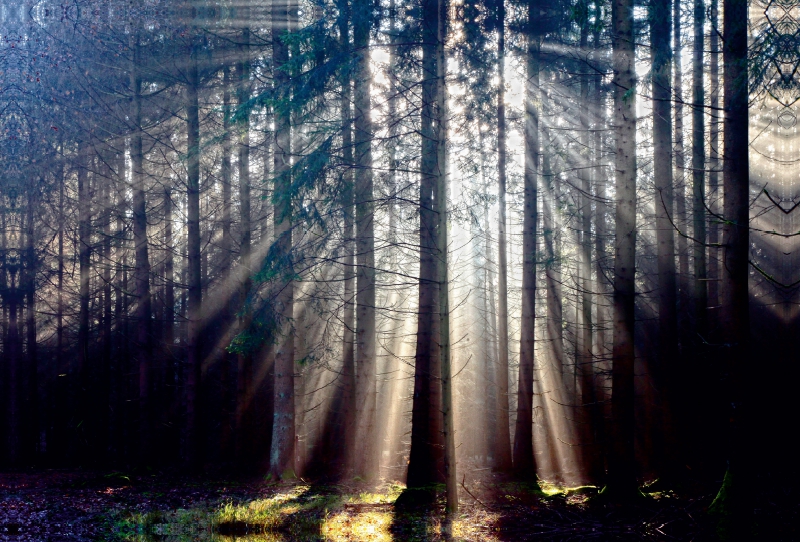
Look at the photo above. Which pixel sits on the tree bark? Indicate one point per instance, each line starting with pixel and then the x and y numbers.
pixel 192 440
pixel 426 458
pixel 713 166
pixel 448 417
pixel 698 175
pixel 731 502
pixel 667 356
pixel 524 460
pixel 503 460
pixel 366 391
pixel 283 427
pixel 142 266
pixel 621 465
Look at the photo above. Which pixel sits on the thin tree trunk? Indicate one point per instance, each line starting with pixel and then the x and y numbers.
pixel 555 327
pixel 106 395
pixel 192 439
pixel 584 341
pixel 448 417
pixel 503 458
pixel 698 174
pixel 33 406
pixel 348 413
pixel 62 362
pixel 679 184
pixel 283 428
pixel 524 458
pixel 245 360
pixel 366 391
pixel 84 268
pixel 622 466
pixel 142 266
pixel 713 173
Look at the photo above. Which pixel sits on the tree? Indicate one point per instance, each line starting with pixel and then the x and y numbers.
pixel 503 450
pixel 667 356
pixel 283 427
pixel 621 461
pixel 731 500
pixel 524 459
pixel 366 391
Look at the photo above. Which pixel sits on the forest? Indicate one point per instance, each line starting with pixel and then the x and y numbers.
pixel 452 246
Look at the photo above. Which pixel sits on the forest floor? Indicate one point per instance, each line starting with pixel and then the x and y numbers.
pixel 55 506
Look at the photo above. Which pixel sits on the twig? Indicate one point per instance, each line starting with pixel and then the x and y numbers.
pixel 464 477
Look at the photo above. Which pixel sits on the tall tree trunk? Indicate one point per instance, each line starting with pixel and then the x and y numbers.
pixel 524 459
pixel 731 502
pixel 106 395
pixel 245 360
pixel 33 406
pixel 667 355
pixel 61 414
pixel 621 465
pixel 426 458
pixel 121 352
pixel 84 268
pixel 679 184
pixel 440 196
pixel 232 423
pixel 699 173
pixel 598 420
pixel 348 408
pixel 142 266
pixel 713 169
pixel 584 343
pixel 366 394
pixel 192 439
pixel 170 366
pixel 503 451
pixel 283 428
pixel 555 327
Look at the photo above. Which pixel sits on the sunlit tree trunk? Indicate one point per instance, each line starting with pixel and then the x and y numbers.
pixel 503 447
pixel 584 343
pixel 555 327
pixel 348 338
pixel 523 457
pixel 490 389
pixel 600 181
pixel 440 196
pixel 283 420
pixel 366 393
pixel 621 465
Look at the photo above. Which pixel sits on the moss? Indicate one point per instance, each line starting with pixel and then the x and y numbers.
pixel 729 509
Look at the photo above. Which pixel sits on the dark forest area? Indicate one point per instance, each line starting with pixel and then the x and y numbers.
pixel 399 270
